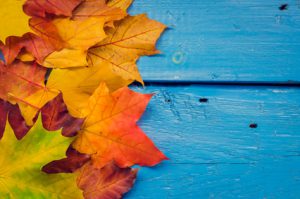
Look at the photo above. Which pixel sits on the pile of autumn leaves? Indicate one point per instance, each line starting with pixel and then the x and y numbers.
pixel 69 73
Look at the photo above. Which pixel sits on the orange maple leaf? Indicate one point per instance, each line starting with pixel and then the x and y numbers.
pixel 110 131
pixel 23 84
pixel 47 31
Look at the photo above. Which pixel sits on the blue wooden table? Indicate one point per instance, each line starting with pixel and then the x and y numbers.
pixel 227 105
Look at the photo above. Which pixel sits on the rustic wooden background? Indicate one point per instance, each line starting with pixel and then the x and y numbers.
pixel 227 104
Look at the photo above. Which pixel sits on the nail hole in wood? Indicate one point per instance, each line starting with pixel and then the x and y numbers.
pixel 253 125
pixel 168 100
pixel 283 7
pixel 203 100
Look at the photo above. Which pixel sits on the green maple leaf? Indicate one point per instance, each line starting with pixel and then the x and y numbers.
pixel 21 163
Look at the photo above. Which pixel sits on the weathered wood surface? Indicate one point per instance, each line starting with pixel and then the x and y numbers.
pixel 224 40
pixel 213 152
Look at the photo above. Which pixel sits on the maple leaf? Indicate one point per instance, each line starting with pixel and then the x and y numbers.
pixel 110 133
pixel 12 114
pixel 20 170
pixel 78 84
pixel 123 4
pixel 23 84
pixel 46 30
pixel 56 116
pixel 134 37
pixel 77 37
pixel 13 20
pixel 17 122
pixel 66 58
pixel 11 48
pixel 70 164
pixel 40 8
pixel 36 48
pixel 98 8
pixel 80 34
pixel 110 182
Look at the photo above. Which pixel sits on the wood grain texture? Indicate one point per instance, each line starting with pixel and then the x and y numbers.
pixel 213 152
pixel 224 40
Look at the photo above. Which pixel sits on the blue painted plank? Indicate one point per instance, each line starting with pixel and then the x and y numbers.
pixel 213 152
pixel 224 40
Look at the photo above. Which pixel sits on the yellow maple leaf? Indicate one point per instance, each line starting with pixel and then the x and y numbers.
pixel 21 163
pixel 134 37
pixel 78 36
pixel 66 58
pixel 78 84
pixel 13 20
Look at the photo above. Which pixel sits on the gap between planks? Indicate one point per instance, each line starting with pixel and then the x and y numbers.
pixel 221 83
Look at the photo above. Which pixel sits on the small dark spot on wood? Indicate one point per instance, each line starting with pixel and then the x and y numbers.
pixel 283 7
pixel 253 125
pixel 168 100
pixel 203 100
